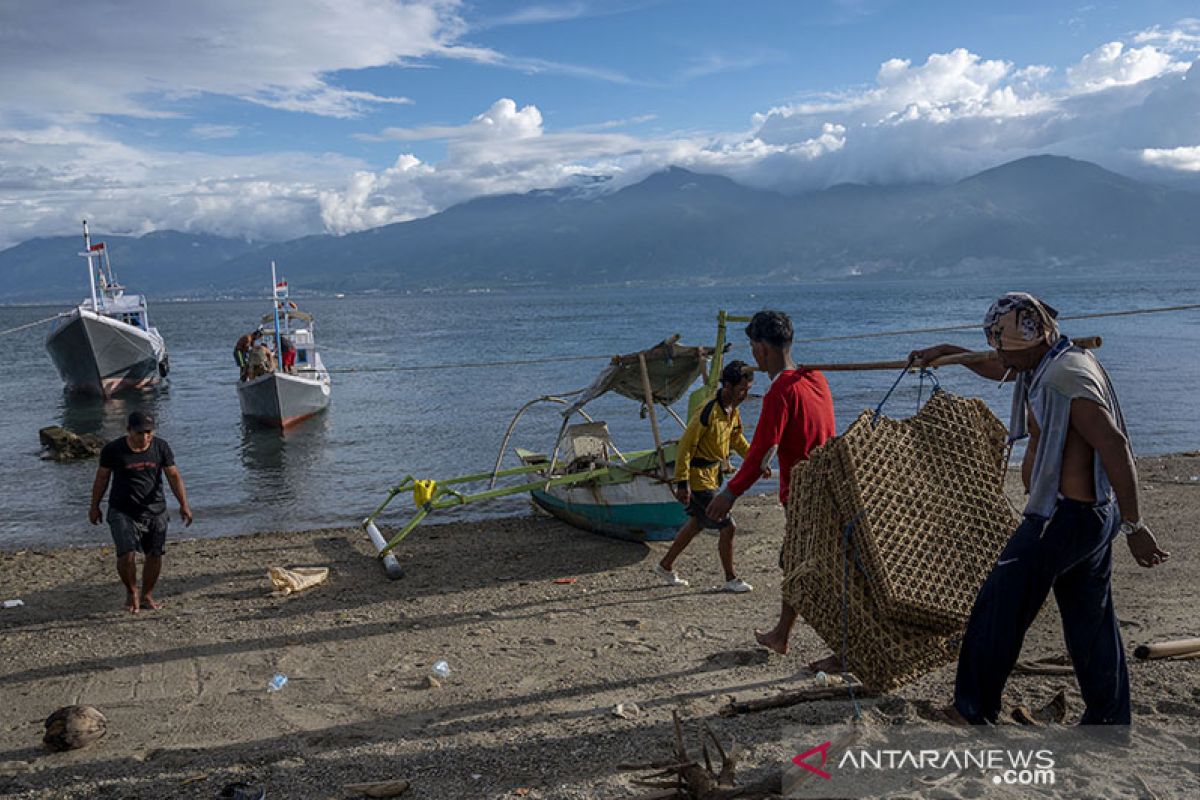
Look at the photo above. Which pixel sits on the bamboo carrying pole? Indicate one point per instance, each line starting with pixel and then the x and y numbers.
pixel 976 357
pixel 1175 647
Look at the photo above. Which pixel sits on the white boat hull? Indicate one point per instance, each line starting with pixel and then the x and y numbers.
pixel 280 399
pixel 95 354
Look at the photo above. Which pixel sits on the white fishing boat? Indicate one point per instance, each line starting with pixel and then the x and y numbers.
pixel 106 344
pixel 286 393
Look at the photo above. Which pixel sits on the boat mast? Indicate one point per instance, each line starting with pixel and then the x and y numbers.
pixel 88 254
pixel 275 305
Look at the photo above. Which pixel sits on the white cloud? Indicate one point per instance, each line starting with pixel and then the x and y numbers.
pixel 68 173
pixel 1129 107
pixel 1183 37
pixel 1186 159
pixel 60 56
pixel 212 131
pixel 1113 64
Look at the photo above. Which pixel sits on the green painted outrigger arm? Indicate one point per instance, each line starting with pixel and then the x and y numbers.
pixel 442 497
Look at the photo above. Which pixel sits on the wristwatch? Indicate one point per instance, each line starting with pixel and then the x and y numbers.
pixel 1130 528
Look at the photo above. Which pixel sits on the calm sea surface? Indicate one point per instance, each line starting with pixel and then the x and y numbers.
pixel 440 422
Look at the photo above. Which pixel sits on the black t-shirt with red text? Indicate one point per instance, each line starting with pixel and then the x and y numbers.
pixel 137 488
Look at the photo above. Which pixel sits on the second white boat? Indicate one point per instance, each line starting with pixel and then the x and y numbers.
pixel 286 389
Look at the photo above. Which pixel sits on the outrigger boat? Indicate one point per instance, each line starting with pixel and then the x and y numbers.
pixel 106 344
pixel 281 398
pixel 585 480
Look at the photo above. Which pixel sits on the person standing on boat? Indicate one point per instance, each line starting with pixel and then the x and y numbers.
pixel 288 354
pixel 702 452
pixel 137 510
pixel 241 350
pixel 260 362
pixel 1083 491
pixel 797 415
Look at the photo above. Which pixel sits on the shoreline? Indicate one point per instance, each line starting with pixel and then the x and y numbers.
pixel 537 666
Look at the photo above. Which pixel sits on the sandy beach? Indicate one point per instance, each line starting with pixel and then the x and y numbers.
pixel 537 666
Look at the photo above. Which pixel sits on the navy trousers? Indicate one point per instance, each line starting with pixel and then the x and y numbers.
pixel 1071 554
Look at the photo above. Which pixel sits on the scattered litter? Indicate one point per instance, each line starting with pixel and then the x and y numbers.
pixel 441 669
pixel 296 579
pixel 432 682
pixel 277 682
pixel 822 679
pixel 627 710
pixel 242 791
pixel 475 776
pixel 14 603
pixel 565 581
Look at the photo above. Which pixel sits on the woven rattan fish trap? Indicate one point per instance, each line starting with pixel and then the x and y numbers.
pixel 892 528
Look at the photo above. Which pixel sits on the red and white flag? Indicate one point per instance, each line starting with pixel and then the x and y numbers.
pixel 97 246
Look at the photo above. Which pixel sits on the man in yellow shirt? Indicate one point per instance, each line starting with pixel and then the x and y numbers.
pixel 703 451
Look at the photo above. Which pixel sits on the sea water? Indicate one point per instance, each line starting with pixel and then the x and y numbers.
pixel 410 410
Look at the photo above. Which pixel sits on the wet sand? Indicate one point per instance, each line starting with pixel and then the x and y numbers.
pixel 537 666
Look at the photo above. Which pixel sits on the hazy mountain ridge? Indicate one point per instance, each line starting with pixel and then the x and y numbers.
pixel 1043 212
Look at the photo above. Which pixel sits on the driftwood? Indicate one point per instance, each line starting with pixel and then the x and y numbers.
pixel 683 778
pixel 379 788
pixel 1176 648
pixel 1042 668
pixel 1053 713
pixel 795 697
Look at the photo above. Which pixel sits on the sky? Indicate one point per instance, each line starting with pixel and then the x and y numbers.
pixel 274 119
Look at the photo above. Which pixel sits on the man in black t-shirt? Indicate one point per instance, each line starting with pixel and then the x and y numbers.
pixel 137 509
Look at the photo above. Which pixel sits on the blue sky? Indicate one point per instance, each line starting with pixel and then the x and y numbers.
pixel 280 118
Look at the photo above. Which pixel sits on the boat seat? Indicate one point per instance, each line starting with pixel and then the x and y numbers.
pixel 530 457
pixel 586 444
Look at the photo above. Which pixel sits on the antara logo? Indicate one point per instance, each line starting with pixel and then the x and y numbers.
pixel 802 760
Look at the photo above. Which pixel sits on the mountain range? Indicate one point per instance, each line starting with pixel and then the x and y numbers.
pixel 1037 214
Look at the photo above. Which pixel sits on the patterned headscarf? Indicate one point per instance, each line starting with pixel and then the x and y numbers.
pixel 1019 321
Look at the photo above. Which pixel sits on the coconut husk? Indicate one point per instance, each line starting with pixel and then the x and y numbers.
pixel 73 727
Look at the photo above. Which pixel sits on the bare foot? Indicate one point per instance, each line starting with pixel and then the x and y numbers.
pixel 772 640
pixel 830 663
pixel 131 603
pixel 151 603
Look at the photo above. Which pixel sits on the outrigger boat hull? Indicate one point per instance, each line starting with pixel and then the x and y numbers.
pixel 280 400
pixel 642 510
pixel 98 355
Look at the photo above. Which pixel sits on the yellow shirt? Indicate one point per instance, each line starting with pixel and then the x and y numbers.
pixel 708 438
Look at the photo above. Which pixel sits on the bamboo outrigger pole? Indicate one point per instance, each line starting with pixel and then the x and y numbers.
pixel 650 407
pixel 976 357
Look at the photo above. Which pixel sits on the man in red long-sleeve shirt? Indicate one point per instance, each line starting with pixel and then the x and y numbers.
pixel 796 416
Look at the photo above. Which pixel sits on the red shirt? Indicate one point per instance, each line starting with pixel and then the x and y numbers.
pixel 797 415
pixel 289 358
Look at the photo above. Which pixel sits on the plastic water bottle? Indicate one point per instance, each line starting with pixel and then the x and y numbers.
pixel 440 669
pixel 278 682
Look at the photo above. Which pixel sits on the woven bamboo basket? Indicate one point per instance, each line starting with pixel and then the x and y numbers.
pixel 892 529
